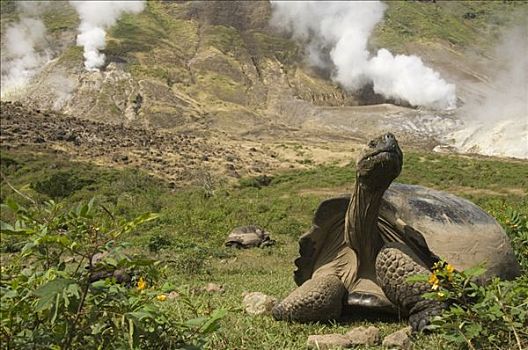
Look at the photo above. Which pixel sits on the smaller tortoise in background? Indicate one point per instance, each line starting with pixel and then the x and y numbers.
pixel 362 248
pixel 248 237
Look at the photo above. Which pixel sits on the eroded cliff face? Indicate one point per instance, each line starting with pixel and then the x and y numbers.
pixel 185 65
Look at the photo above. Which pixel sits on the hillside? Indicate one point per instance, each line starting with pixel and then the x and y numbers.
pixel 220 64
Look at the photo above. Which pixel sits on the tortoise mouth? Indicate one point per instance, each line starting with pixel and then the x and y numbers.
pixel 381 161
pixel 379 156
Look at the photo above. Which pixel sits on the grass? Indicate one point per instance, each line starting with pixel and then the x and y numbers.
pixel 195 226
pixel 460 23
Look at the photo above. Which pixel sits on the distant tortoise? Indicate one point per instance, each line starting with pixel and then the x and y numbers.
pixel 248 237
pixel 361 248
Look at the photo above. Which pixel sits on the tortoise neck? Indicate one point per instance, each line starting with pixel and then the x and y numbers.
pixel 362 230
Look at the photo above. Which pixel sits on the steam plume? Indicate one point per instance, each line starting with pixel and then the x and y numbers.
pixel 337 33
pixel 496 123
pixel 96 17
pixel 23 48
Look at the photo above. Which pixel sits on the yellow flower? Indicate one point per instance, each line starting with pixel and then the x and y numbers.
pixel 449 269
pixel 161 297
pixel 142 284
pixel 433 281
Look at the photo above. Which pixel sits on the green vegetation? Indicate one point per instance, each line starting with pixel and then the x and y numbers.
pixel 187 238
pixel 226 39
pixel 461 23
pixel 491 317
pixel 72 55
pixel 60 185
pixel 57 294
pixel 284 50
pixel 60 17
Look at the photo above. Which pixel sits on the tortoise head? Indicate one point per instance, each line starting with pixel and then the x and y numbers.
pixel 380 163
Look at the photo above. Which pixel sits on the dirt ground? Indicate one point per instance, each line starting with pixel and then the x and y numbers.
pixel 177 157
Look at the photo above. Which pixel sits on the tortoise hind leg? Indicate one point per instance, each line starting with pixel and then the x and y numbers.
pixel 318 299
pixel 394 264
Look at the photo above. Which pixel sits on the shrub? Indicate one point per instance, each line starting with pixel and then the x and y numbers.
pixel 158 242
pixel 258 181
pixel 49 298
pixel 60 185
pixel 516 226
pixel 494 316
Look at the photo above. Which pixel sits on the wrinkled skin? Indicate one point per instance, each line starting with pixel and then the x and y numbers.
pixel 368 272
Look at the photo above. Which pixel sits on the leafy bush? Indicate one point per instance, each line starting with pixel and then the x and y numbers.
pixel 188 257
pixel 158 242
pixel 258 181
pixel 52 297
pixel 494 316
pixel 60 185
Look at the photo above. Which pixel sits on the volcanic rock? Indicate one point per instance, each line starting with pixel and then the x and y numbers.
pixel 398 340
pixel 328 341
pixel 257 303
pixel 364 336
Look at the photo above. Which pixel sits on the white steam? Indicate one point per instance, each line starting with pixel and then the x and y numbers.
pixel 336 36
pixel 96 17
pixel 496 123
pixel 23 48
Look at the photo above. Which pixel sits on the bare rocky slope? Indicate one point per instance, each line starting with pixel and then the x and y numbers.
pixel 178 157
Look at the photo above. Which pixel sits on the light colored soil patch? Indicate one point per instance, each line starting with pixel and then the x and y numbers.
pixel 326 192
pixel 500 193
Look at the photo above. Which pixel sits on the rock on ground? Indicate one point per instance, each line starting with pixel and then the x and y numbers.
pixel 213 288
pixel 398 340
pixel 257 303
pixel 364 336
pixel 328 341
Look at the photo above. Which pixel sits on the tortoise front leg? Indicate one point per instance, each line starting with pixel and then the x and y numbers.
pixel 394 264
pixel 318 299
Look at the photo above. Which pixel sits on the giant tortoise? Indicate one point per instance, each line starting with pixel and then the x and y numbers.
pixel 362 248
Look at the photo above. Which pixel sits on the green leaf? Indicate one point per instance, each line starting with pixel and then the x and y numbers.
pixel 8 229
pixel 212 323
pixel 131 333
pixel 47 292
pixel 26 249
pixel 4 226
pixel 56 304
pixel 473 330
pixel 475 271
pixel 59 239
pixel 168 287
pixel 196 322
pixel 99 284
pixel 85 209
pixel 9 294
pixel 140 315
pixel 12 204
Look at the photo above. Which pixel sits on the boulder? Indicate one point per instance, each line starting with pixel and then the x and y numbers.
pixel 398 340
pixel 328 341
pixel 364 336
pixel 257 303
